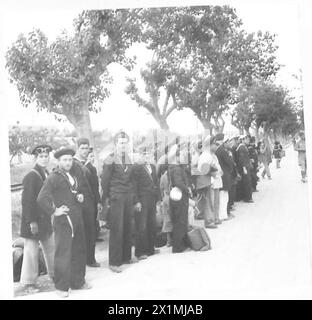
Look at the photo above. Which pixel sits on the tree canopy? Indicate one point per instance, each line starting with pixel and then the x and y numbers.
pixel 69 76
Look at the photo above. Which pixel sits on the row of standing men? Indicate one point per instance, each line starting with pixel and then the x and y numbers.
pixel 70 196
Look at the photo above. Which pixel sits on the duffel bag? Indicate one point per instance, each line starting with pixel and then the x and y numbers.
pixel 199 239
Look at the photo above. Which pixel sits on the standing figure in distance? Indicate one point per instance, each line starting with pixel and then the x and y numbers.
pixel 302 158
pixel 265 157
pixel 278 153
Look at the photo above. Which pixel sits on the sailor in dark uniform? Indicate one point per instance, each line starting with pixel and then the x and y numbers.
pixel 244 169
pixel 118 186
pixel 36 227
pixel 61 197
pixel 148 192
pixel 89 206
pixel 253 154
pixel 95 186
pixel 234 176
pixel 227 167
pixel 179 209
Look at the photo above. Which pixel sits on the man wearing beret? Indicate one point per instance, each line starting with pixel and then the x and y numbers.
pixel 61 197
pixel 90 205
pixel 118 186
pixel 148 192
pixel 36 226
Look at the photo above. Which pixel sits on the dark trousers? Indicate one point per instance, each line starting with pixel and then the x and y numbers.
pixel 232 194
pixel 179 218
pixel 246 186
pixel 254 178
pixel 239 191
pixel 89 217
pixel 120 223
pixel 70 254
pixel 145 224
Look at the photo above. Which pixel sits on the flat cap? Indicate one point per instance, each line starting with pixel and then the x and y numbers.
pixel 64 151
pixel 41 148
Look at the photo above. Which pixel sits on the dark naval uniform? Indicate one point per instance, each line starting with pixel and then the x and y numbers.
pixel 227 166
pixel 179 209
pixel 234 175
pixel 31 212
pixel 243 161
pixel 70 248
pixel 118 185
pixel 253 154
pixel 148 193
pixel 95 187
pixel 89 209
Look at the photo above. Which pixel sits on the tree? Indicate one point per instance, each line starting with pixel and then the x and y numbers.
pixel 158 79
pixel 69 77
pixel 23 139
pixel 273 109
pixel 159 74
pixel 243 115
pixel 216 56
pixel 299 102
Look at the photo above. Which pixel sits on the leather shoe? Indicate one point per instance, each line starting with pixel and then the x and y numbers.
pixel 62 294
pixel 143 257
pixel 116 269
pixel 94 265
pixel 85 286
pixel 131 261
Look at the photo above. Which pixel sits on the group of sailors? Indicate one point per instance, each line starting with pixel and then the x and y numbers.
pixel 60 209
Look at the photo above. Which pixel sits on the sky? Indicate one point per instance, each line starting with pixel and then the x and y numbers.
pixel 119 111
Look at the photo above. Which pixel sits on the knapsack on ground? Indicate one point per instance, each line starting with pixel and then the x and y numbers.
pixel 199 239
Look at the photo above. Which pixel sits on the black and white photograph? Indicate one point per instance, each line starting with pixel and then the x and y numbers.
pixel 156 150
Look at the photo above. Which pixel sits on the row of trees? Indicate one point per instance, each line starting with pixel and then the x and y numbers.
pixel 203 60
pixel 265 103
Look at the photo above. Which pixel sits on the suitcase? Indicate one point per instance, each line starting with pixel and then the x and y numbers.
pixel 199 239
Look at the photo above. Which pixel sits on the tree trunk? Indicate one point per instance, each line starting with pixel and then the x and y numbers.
pixel 161 120
pixel 247 131
pixel 163 124
pixel 82 124
pixel 79 117
pixel 207 125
